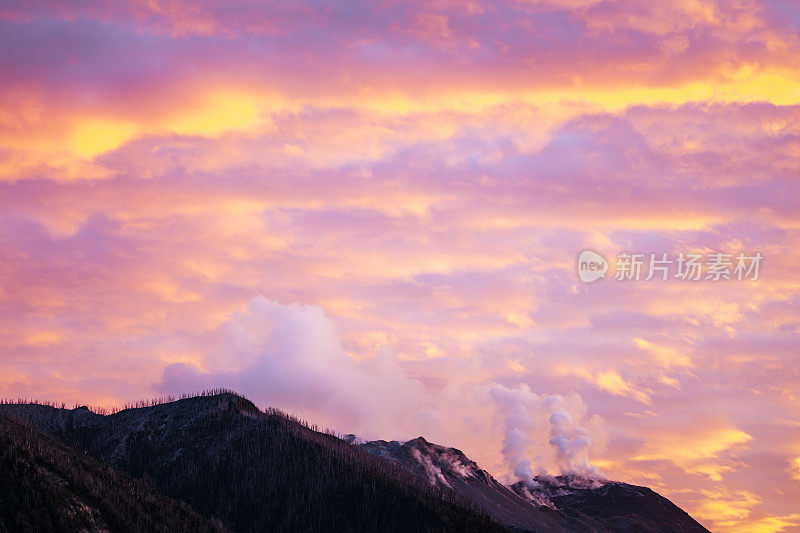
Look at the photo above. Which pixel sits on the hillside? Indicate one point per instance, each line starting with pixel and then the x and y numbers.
pixel 549 503
pixel 46 486
pixel 590 504
pixel 257 471
pixel 267 471
pixel 450 468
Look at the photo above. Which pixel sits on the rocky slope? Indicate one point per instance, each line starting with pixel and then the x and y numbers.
pixel 590 504
pixel 450 468
pixel 547 503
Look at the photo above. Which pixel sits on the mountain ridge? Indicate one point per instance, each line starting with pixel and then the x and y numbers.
pixel 266 470
pixel 256 471
pixel 549 503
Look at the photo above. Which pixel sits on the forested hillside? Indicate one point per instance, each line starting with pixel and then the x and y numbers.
pixel 47 486
pixel 258 471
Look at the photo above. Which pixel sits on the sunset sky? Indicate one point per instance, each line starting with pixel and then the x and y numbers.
pixel 369 214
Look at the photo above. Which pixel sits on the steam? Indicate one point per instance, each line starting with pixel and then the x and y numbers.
pixel 455 465
pixel 571 443
pixel 532 491
pixel 554 427
pixel 431 470
pixel 543 488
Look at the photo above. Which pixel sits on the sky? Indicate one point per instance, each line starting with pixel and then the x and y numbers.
pixel 370 213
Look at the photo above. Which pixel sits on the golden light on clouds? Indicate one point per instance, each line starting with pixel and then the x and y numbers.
pixel 404 196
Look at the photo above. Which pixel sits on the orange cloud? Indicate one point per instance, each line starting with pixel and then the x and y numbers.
pixel 696 452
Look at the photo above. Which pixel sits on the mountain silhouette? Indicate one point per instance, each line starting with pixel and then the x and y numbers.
pixel 215 462
pixel 547 503
pixel 47 486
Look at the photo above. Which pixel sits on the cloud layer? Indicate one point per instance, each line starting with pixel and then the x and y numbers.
pixel 369 213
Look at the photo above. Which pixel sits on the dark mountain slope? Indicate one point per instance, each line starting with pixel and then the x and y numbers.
pixel 257 471
pixel 563 503
pixel 46 486
pixel 260 471
pixel 591 505
pixel 449 467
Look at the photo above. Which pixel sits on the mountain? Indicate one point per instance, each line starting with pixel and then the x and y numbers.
pixel 256 471
pixel 450 468
pixel 233 466
pixel 547 503
pixel 46 486
pixel 593 504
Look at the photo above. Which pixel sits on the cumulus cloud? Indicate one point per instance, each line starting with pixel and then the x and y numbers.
pixel 291 356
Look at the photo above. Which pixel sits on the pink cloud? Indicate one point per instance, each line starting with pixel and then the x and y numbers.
pixel 398 183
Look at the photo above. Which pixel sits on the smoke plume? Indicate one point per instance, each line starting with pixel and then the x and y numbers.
pixel 544 432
